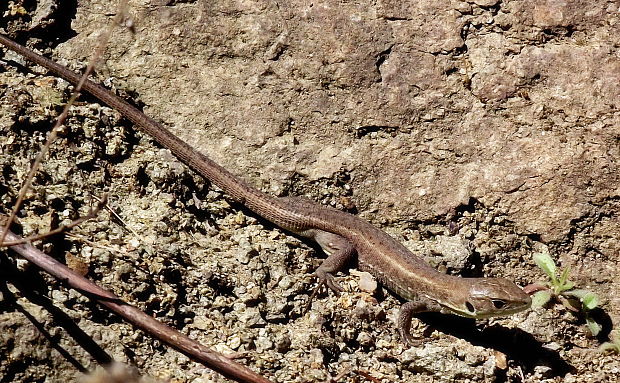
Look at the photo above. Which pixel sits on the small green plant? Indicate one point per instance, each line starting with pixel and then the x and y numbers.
pixel 613 345
pixel 559 287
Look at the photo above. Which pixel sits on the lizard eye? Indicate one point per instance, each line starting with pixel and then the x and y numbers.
pixel 498 303
pixel 470 307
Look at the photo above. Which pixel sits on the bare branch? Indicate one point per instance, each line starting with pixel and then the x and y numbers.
pixel 92 213
pixel 103 41
pixel 136 317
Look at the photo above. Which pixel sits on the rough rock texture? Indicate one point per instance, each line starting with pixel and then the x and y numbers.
pixel 475 132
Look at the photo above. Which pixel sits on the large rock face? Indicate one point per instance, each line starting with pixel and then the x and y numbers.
pixel 424 106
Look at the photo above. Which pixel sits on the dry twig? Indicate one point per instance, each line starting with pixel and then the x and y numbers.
pixel 92 213
pixel 103 41
pixel 136 317
pixel 133 315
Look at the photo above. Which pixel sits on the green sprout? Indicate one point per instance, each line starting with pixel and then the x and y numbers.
pixel 562 289
pixel 613 345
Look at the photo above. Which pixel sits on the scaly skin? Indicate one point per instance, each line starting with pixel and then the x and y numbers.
pixel 340 234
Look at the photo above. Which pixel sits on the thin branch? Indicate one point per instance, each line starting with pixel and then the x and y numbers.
pixel 123 223
pixel 92 213
pixel 136 317
pixel 103 41
pixel 133 315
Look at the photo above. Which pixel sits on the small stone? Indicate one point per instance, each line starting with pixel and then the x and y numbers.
pixel 263 342
pixel 250 317
pixel 234 342
pixel 286 282
pixel 367 282
pixel 544 371
pixel 59 296
pixel 489 366
pixel 283 344
pixel 240 218
pixel 365 339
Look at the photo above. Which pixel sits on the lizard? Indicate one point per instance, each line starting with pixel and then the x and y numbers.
pixel 341 235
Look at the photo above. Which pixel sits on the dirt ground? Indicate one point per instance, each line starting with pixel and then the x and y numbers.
pixel 477 133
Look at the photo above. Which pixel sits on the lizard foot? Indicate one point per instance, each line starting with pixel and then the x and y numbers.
pixel 325 279
pixel 409 340
pixel 329 280
pixel 406 314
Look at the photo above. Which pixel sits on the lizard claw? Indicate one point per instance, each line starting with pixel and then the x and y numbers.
pixel 325 279
pixel 329 280
pixel 408 338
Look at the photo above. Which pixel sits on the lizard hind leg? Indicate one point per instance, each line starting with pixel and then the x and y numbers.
pixel 339 252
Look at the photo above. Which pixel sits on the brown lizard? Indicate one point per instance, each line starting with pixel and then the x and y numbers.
pixel 341 235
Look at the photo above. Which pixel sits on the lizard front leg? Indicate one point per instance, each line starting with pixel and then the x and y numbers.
pixel 407 311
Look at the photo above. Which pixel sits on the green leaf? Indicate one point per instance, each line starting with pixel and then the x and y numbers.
pixel 544 261
pixel 564 276
pixel 594 327
pixel 540 298
pixel 590 301
pixel 614 345
pixel 560 288
pixel 610 346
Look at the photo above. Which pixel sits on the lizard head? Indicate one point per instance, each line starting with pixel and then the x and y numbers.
pixel 490 297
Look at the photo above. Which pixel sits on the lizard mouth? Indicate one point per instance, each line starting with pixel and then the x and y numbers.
pixel 469 310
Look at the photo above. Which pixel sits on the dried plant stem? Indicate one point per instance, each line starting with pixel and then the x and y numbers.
pixel 103 41
pixel 136 317
pixel 92 213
